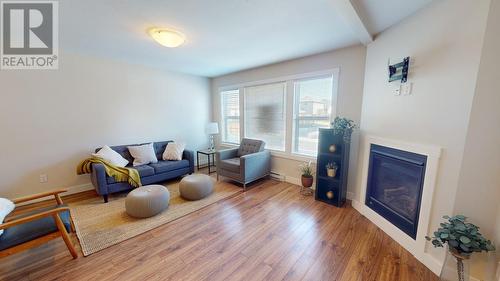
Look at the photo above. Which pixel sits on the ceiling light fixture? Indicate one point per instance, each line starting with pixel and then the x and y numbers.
pixel 167 37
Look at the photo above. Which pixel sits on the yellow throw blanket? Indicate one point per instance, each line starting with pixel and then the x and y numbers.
pixel 120 174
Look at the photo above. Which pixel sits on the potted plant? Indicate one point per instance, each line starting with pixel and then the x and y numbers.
pixel 306 178
pixel 462 239
pixel 343 126
pixel 331 169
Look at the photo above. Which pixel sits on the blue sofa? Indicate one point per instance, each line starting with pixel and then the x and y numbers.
pixel 151 173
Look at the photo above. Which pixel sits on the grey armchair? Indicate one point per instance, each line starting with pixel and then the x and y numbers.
pixel 245 164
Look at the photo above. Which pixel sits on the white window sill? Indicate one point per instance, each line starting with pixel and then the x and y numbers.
pixel 278 154
pixel 296 157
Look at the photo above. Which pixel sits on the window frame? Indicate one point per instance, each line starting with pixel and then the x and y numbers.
pixel 296 119
pixel 290 102
pixel 223 118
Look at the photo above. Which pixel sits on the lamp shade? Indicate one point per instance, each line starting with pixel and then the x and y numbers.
pixel 212 128
pixel 166 37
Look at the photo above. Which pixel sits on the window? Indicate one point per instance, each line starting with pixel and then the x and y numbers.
pixel 230 116
pixel 265 114
pixel 284 112
pixel 312 110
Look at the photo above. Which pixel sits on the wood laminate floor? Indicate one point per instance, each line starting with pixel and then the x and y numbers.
pixel 271 232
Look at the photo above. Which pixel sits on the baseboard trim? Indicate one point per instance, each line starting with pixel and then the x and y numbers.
pixel 293 180
pixel 350 195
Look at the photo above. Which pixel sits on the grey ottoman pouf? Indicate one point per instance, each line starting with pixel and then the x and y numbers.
pixel 147 201
pixel 196 187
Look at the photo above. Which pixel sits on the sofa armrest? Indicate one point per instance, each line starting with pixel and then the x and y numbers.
pixel 98 178
pixel 189 155
pixel 255 165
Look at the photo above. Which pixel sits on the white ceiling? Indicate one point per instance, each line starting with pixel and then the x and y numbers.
pixel 223 36
pixel 378 15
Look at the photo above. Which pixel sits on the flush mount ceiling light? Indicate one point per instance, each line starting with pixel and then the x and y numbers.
pixel 167 37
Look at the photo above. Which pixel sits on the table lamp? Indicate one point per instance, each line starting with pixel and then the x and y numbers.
pixel 212 129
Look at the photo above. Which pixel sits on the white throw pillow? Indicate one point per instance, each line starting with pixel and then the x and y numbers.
pixel 173 151
pixel 143 154
pixel 6 206
pixel 111 156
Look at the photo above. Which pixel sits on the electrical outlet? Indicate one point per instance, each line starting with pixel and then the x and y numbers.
pixel 44 178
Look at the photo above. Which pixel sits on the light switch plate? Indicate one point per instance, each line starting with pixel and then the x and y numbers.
pixel 397 90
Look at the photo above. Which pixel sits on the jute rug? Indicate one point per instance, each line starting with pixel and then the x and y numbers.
pixel 99 225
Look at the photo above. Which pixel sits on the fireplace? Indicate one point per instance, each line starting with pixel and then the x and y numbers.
pixel 394 186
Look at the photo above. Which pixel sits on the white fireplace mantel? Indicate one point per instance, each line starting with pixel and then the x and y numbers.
pixel 416 247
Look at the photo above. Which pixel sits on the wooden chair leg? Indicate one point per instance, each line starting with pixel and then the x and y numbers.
pixel 73 229
pixel 65 236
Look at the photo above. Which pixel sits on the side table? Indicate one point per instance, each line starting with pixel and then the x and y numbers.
pixel 211 159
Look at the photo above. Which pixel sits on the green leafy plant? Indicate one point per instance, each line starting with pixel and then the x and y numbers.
pixel 306 169
pixel 343 124
pixel 462 237
pixel 332 165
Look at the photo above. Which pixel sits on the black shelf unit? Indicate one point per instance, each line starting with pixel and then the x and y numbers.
pixel 337 184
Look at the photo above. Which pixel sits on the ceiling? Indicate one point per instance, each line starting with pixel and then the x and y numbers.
pixel 223 36
pixel 378 15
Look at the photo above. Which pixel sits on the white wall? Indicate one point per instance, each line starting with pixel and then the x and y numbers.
pixel 444 40
pixel 478 193
pixel 50 120
pixel 351 63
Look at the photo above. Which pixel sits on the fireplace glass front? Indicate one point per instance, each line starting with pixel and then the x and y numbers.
pixel 394 187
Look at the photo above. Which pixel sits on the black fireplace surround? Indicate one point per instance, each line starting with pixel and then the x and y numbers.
pixel 394 186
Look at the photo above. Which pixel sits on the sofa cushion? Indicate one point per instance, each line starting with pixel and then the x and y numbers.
pixel 111 156
pixel 249 146
pixel 25 232
pixel 160 148
pixel 6 207
pixel 167 166
pixel 122 150
pixel 144 171
pixel 173 151
pixel 232 164
pixel 143 154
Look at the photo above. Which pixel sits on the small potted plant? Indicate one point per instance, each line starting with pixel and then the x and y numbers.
pixel 343 126
pixel 331 169
pixel 462 239
pixel 306 178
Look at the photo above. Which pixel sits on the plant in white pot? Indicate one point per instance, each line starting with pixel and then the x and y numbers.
pixel 331 169
pixel 463 239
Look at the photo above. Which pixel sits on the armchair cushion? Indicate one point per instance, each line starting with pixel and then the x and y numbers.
pixel 6 206
pixel 249 146
pixel 25 232
pixel 232 164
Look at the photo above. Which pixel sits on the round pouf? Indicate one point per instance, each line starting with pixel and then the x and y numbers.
pixel 147 201
pixel 196 187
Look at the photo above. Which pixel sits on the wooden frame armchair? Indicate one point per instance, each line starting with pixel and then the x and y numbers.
pixel 33 228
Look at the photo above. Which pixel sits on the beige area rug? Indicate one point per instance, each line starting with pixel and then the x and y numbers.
pixel 99 225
